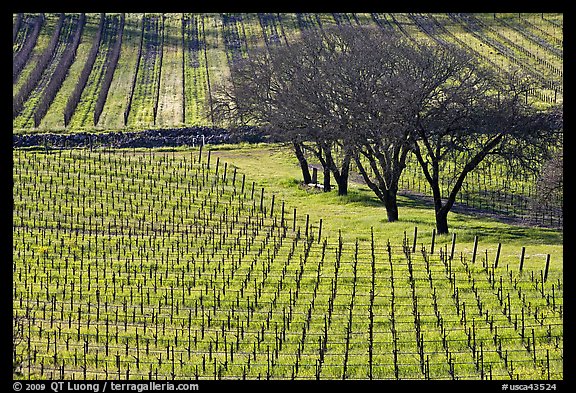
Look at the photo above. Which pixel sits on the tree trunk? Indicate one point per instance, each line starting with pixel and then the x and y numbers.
pixel 391 205
pixel 440 211
pixel 341 177
pixel 442 221
pixel 386 195
pixel 327 185
pixel 343 174
pixel 342 185
pixel 303 163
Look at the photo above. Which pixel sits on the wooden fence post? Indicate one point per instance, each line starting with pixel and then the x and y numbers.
pixel 497 255
pixel 453 245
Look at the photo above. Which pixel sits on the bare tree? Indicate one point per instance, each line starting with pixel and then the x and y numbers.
pixel 463 113
pixel 247 98
pixel 372 97
pixel 372 82
pixel 287 91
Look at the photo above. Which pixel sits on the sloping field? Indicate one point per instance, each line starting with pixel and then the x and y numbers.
pixel 173 265
pixel 159 262
pixel 159 70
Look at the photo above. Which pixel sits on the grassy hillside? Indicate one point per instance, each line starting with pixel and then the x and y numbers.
pixel 218 263
pixel 174 89
pixel 163 265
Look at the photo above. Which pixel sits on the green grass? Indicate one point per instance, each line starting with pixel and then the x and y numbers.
pixel 275 167
pixel 143 263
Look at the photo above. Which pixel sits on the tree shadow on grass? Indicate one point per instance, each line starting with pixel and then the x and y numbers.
pixel 365 197
pixel 531 234
pixel 362 198
pixel 463 219
pixel 460 218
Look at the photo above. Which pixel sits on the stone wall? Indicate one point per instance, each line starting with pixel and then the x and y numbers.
pixel 191 136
